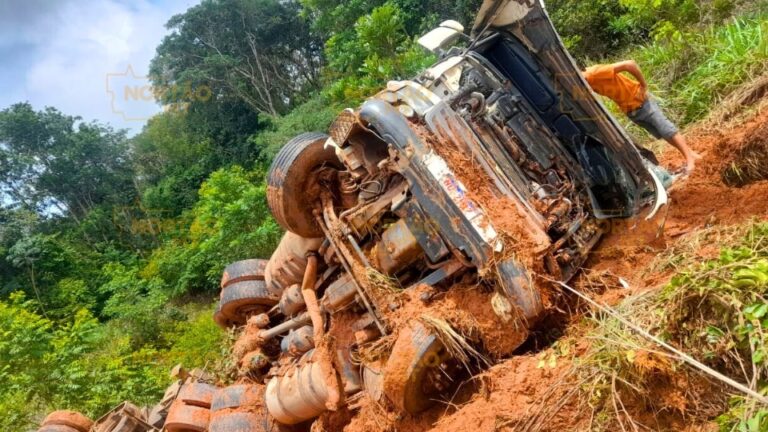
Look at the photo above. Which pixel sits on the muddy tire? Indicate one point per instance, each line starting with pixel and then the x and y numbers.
pixel 243 299
pixel 245 421
pixel 71 419
pixel 290 180
pixel 237 422
pixel 57 428
pixel 238 271
pixel 187 418
pixel 197 394
pixel 410 373
pixel 237 396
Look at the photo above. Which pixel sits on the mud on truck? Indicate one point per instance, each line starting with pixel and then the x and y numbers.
pixel 424 230
pixel 463 189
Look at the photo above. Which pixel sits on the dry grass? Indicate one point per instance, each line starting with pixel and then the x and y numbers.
pixel 456 344
pixel 747 165
pixel 741 103
pixel 381 282
pixel 374 351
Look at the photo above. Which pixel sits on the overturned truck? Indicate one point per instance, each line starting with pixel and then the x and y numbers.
pixel 492 172
pixel 424 230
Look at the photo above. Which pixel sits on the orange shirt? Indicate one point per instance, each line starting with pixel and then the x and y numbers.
pixel 615 86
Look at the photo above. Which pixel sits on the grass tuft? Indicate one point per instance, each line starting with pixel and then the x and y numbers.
pixel 458 346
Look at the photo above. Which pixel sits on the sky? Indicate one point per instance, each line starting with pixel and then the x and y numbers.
pixel 84 57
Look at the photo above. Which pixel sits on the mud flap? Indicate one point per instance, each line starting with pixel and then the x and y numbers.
pixel 516 283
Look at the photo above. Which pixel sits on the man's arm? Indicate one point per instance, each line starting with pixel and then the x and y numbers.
pixel 633 69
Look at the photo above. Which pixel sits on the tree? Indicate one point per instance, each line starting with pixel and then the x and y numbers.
pixel 170 163
pixel 260 52
pixel 230 222
pixel 378 49
pixel 58 164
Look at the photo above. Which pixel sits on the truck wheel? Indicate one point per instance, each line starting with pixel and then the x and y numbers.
pixel 237 422
pixel 236 396
pixel 187 418
pixel 72 419
pixel 243 299
pixel 220 319
pixel 415 369
pixel 291 178
pixel 197 394
pixel 238 271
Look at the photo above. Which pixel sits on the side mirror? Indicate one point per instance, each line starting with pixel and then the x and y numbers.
pixel 443 35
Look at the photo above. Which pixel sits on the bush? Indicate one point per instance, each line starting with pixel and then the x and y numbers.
pixel 82 365
pixel 604 28
pixel 360 63
pixel 51 364
pixel 197 342
pixel 230 222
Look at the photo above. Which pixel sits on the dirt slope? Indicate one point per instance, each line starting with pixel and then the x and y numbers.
pixel 529 391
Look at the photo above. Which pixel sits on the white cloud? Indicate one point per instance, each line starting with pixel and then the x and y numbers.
pixel 67 52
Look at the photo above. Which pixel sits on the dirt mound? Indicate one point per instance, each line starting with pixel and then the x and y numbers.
pixel 513 395
pixel 747 164
pixel 704 198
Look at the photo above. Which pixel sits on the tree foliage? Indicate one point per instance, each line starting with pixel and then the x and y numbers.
pixel 51 162
pixel 378 50
pixel 260 52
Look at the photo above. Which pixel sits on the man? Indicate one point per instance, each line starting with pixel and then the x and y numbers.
pixel 633 99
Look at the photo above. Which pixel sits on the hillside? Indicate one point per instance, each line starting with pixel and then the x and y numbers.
pixel 112 247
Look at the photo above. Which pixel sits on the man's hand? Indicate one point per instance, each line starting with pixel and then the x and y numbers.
pixel 643 89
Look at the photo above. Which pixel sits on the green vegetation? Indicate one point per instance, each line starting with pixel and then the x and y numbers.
pixel 111 247
pixel 78 362
pixel 694 70
pixel 716 311
pixel 693 53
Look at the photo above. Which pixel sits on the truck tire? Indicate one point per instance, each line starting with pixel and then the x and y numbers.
pixel 187 418
pixel 197 394
pixel 243 299
pixel 238 271
pixel 416 358
pixel 72 419
pixel 220 319
pixel 237 422
pixel 291 179
pixel 237 396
